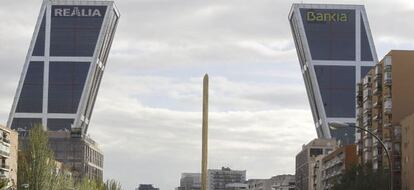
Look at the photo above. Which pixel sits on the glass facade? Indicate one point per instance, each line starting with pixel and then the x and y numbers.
pixel 75 30
pixel 345 134
pixel 97 77
pixel 366 53
pixel 66 83
pixel 330 33
pixel 103 54
pixel 59 124
pixel 337 87
pixel 94 92
pixel 31 96
pixel 39 48
pixel 25 123
pixel 327 38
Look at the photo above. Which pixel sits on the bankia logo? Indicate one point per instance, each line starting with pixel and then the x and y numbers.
pixel 315 16
pixel 77 12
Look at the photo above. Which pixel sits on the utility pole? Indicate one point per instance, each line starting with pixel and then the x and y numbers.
pixel 204 153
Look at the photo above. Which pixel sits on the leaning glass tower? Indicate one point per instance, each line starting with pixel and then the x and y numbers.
pixel 64 65
pixel 335 49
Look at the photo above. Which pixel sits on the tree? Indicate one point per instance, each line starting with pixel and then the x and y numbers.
pixel 87 184
pixel 62 180
pixel 363 178
pixel 36 165
pixel 4 184
pixel 112 185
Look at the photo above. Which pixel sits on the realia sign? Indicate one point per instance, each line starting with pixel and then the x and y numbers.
pixel 77 12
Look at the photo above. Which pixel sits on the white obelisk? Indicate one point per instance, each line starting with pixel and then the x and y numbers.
pixel 205 135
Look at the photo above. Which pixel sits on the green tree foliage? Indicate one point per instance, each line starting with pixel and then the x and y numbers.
pixel 112 185
pixel 87 184
pixel 62 180
pixel 363 178
pixel 4 184
pixel 36 166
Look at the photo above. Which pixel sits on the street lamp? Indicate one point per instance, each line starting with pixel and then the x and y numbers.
pixel 336 125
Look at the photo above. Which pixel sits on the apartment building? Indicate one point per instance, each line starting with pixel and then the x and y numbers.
pixel 82 156
pixel 190 181
pixel 236 186
pixel 279 182
pixel 317 174
pixel 384 98
pixel 146 187
pixel 219 178
pixel 283 182
pixel 305 161
pixel 259 184
pixel 335 164
pixel 8 155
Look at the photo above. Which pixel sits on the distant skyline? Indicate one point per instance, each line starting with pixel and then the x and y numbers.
pixel 148 113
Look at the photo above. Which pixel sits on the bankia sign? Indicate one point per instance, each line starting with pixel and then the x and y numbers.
pixel 328 15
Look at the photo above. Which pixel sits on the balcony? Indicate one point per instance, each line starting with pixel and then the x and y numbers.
pixel 366 80
pixel 367 113
pixel 359 86
pixel 375 153
pixel 377 77
pixel 397 133
pixel 377 103
pixel 359 111
pixel 6 140
pixel 377 87
pixel 387 106
pixel 367 155
pixel 4 167
pixel 396 168
pixel 376 117
pixel 387 125
pixel 387 93
pixel 387 78
pixel 386 138
pixel 367 107
pixel 368 144
pixel 367 94
pixel 4 153
pixel 359 94
pixel 367 122
pixel 4 175
pixel 387 62
pixel 396 153
pixel 378 70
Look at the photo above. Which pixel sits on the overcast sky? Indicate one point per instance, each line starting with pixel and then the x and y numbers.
pixel 147 117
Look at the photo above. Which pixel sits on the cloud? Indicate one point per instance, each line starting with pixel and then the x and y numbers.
pixel 147 116
pixel 162 143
